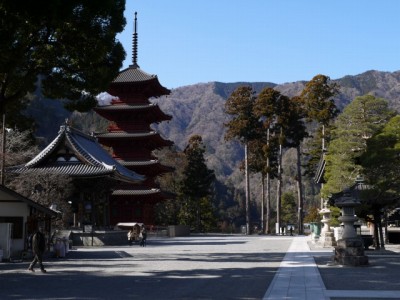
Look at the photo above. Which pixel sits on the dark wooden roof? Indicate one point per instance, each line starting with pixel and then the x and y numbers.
pixel 151 138
pixel 157 114
pixel 133 75
pixel 132 194
pixel 149 168
pixel 77 154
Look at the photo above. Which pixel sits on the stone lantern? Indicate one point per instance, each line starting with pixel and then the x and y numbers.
pixel 327 238
pixel 350 248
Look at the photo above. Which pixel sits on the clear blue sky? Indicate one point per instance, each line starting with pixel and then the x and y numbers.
pixel 186 42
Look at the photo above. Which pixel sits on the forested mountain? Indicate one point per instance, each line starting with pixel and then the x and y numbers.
pixel 199 109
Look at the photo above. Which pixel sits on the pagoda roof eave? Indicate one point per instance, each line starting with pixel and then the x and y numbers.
pixel 135 192
pixel 153 193
pixel 135 135
pixel 118 108
pixel 135 76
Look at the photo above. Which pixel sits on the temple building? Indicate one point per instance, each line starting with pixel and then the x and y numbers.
pixel 132 140
pixel 93 171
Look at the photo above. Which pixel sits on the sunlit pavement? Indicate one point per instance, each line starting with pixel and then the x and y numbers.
pixel 196 267
pixel 205 267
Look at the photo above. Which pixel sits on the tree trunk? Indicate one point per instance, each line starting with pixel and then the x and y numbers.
pixel 279 187
pixel 268 193
pixel 376 236
pixel 381 233
pixel 247 188
pixel 299 192
pixel 268 204
pixel 262 203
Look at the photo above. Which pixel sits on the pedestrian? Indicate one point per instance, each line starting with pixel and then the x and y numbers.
pixel 291 230
pixel 130 237
pixel 38 248
pixel 143 236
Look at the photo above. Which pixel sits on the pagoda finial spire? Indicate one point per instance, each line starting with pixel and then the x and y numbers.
pixel 135 42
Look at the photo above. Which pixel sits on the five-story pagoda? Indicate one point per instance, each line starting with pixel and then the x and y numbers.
pixel 133 141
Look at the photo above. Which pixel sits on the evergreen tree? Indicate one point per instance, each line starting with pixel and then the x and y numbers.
pixel 167 211
pixel 381 171
pixel 380 161
pixel 360 120
pixel 319 107
pixel 195 192
pixel 295 131
pixel 276 112
pixel 289 208
pixel 244 126
pixel 263 160
pixel 69 45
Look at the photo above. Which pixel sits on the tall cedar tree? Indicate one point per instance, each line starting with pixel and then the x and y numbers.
pixel 244 126
pixel 263 160
pixel 197 181
pixel 319 107
pixel 275 110
pixel 70 45
pixel 295 134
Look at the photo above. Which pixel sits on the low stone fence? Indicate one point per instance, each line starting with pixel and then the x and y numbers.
pixel 108 237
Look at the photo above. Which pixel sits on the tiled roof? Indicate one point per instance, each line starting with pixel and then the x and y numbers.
pixel 88 158
pixel 123 192
pixel 133 75
pixel 123 134
pixel 78 170
pixel 155 114
pixel 139 163
pixel 125 107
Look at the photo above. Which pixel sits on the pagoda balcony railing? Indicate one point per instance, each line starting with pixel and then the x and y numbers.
pixel 129 127
pixel 129 158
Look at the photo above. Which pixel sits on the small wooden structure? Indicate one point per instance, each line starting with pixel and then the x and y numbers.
pixel 25 215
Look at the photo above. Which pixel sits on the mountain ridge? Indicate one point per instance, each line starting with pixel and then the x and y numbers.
pixel 199 109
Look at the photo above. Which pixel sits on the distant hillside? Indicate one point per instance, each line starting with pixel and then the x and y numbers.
pixel 199 109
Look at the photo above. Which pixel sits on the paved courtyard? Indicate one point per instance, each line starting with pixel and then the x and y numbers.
pixel 205 267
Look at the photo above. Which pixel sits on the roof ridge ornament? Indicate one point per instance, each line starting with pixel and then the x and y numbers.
pixel 135 45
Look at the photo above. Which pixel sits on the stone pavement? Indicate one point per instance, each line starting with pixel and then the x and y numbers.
pixel 307 272
pixel 206 267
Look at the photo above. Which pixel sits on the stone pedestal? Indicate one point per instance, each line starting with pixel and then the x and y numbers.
pixel 327 239
pixel 350 252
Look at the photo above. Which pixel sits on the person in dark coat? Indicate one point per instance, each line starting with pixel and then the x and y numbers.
pixel 143 236
pixel 38 248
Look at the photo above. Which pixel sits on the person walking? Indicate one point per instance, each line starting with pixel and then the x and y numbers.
pixel 143 236
pixel 38 248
